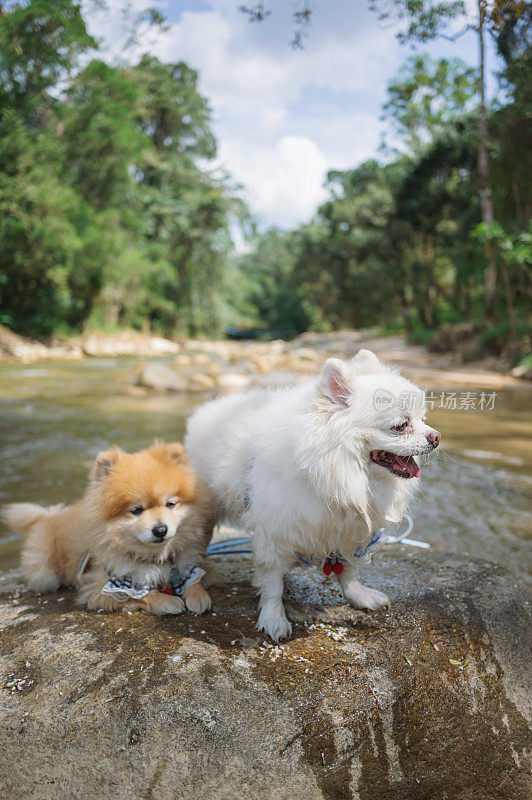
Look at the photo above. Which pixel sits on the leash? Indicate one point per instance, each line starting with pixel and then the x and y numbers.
pixel 231 545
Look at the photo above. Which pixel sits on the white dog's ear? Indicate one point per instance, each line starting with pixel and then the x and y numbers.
pixel 366 362
pixel 336 382
pixel 105 461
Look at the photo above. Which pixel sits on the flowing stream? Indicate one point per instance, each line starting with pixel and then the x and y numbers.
pixel 476 495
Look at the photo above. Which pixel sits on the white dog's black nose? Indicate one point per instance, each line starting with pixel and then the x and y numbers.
pixel 434 438
pixel 159 531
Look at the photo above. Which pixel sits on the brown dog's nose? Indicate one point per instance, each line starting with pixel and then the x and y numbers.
pixel 434 438
pixel 159 531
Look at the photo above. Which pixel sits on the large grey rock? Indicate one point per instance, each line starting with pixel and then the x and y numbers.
pixel 158 375
pixel 427 701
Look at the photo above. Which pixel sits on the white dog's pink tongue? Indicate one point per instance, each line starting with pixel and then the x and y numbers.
pixel 408 466
pixel 402 466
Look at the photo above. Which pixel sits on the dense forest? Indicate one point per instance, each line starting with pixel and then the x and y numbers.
pixel 107 217
pixel 110 215
pixel 435 239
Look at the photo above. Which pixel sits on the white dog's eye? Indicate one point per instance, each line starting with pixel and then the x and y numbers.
pixel 137 511
pixel 171 504
pixel 401 427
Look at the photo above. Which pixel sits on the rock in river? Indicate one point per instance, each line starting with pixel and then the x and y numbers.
pixel 158 375
pixel 429 700
pixel 230 382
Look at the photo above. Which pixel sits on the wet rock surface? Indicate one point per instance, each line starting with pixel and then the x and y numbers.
pixel 125 343
pixel 222 367
pixel 430 700
pixel 13 346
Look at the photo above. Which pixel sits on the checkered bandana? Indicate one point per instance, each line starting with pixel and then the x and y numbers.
pixel 123 588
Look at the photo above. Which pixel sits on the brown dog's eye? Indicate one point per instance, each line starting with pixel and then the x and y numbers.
pixel 137 511
pixel 401 427
pixel 171 504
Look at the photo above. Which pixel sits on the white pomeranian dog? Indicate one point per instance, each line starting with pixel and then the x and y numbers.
pixel 313 470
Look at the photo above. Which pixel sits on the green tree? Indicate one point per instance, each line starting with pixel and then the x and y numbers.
pixel 185 209
pixel 426 20
pixel 40 44
pixel 43 278
pixel 101 137
pixel 507 21
pixel 109 214
pixel 426 96
pixel 274 296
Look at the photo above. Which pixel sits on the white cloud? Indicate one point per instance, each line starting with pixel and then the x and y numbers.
pixel 282 118
pixel 278 129
pixel 284 183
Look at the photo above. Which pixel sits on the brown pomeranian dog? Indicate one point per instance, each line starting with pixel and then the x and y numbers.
pixel 135 541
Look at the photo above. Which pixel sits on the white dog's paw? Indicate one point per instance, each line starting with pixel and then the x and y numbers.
pixel 364 597
pixel 275 624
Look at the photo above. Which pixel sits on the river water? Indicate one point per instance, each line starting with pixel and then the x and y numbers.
pixel 476 494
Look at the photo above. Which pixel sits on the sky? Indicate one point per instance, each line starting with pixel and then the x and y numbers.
pixel 282 117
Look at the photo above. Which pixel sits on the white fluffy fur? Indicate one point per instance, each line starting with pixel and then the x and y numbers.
pixel 293 466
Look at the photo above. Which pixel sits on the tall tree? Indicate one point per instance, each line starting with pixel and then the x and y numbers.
pixel 426 96
pixel 423 21
pixel 40 44
pixel 100 133
pixel 185 209
pixel 108 213
pixel 42 216
pixel 428 19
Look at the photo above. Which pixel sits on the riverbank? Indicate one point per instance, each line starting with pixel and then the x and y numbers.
pixel 125 343
pixel 281 359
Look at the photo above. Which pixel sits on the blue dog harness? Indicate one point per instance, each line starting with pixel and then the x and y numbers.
pixel 334 561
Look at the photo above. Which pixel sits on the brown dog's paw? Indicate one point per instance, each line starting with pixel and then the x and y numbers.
pixel 167 604
pixel 158 603
pixel 197 599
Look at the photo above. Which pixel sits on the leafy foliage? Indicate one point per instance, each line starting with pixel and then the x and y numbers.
pixel 107 216
pixel 394 245
pixel 111 216
pixel 426 96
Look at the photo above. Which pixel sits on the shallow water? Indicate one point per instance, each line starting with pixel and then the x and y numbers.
pixel 55 416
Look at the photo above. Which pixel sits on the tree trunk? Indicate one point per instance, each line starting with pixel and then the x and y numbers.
pixel 431 294
pixel 509 304
pixel 405 311
pixel 486 202
pixel 112 314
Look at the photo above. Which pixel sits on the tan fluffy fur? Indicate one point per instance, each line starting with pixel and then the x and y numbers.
pixel 101 523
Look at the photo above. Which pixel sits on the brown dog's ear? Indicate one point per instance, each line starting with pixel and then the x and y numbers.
pixel 174 451
pixel 105 461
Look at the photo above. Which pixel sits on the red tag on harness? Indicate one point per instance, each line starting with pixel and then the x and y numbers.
pixel 338 568
pixel 164 589
pixel 327 568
